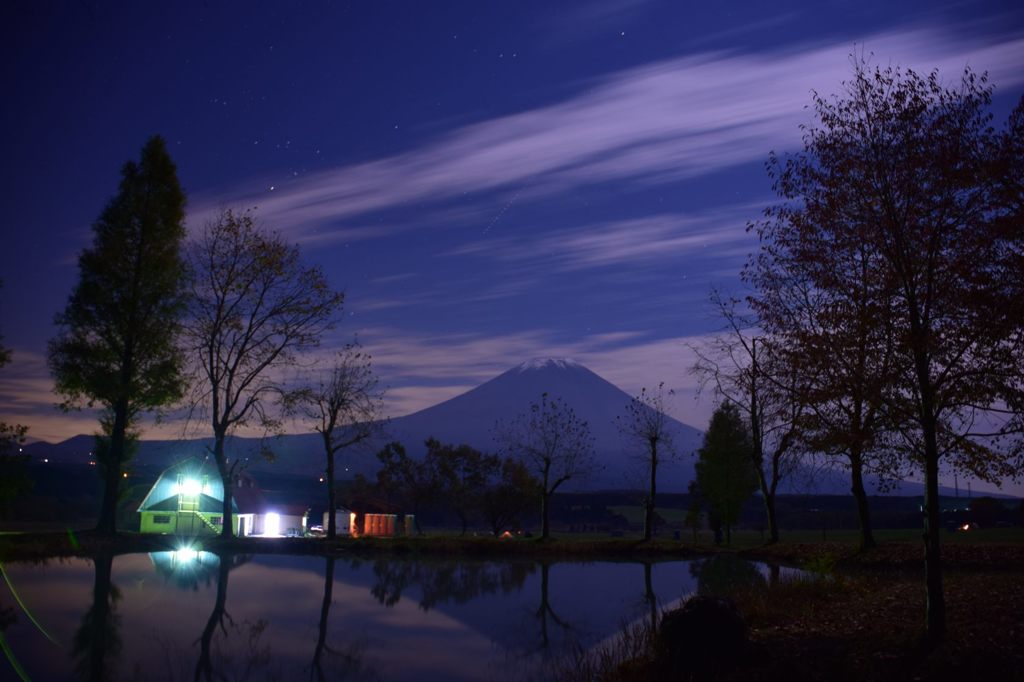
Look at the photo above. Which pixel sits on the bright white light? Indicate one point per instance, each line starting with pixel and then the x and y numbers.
pixel 185 555
pixel 191 487
pixel 272 526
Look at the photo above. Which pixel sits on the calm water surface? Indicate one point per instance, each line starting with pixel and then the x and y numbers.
pixel 171 616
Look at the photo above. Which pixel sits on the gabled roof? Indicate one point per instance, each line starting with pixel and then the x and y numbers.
pixel 246 496
pixel 190 468
pixel 207 505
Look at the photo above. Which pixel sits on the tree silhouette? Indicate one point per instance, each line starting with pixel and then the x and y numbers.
pixel 554 443
pixel 913 169
pixel 344 407
pixel 749 369
pixel 725 475
pixel 646 424
pixel 254 305
pixel 117 344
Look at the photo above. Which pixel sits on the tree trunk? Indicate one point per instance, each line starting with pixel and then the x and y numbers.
pixel 936 602
pixel 649 512
pixel 332 523
pixel 226 531
pixel 769 507
pixel 107 523
pixel 867 536
pixel 544 528
pixel 544 494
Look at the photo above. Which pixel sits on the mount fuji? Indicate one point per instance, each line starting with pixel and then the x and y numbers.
pixel 471 418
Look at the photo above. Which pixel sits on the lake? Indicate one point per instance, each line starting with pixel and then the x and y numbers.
pixel 176 615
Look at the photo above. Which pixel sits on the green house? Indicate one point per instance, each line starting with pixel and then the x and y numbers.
pixel 188 499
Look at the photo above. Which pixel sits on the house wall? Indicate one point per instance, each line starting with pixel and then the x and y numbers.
pixel 178 523
pixel 343 520
pixel 158 522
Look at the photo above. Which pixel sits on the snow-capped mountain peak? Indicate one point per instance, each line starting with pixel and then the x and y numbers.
pixel 546 363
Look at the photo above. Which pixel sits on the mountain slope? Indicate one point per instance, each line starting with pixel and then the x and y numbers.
pixel 472 416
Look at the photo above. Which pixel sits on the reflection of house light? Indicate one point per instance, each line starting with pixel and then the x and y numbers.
pixel 191 487
pixel 272 525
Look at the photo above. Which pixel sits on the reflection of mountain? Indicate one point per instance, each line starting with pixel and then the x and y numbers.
pixel 525 616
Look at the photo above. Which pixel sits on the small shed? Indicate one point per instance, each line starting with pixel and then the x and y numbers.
pixel 344 520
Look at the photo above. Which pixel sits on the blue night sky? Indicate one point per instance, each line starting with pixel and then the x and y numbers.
pixel 488 181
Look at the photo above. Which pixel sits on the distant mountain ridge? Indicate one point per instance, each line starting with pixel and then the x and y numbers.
pixel 468 418
pixel 471 418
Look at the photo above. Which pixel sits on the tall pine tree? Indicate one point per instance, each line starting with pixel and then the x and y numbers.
pixel 116 347
pixel 725 472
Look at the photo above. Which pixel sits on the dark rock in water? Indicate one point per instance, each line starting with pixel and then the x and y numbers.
pixel 705 636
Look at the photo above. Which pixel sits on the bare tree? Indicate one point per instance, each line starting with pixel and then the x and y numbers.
pixel 554 443
pixel 745 368
pixel 646 424
pixel 254 305
pixel 345 408
pixel 914 168
pixel 840 335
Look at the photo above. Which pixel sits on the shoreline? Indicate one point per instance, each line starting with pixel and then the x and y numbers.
pixel 888 556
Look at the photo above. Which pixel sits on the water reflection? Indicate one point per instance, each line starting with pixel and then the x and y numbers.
pixel 545 609
pixel 340 663
pixel 186 567
pixel 97 643
pixel 171 616
pixel 649 597
pixel 446 582
pixel 722 574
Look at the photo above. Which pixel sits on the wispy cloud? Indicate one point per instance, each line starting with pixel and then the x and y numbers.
pixel 636 240
pixel 661 122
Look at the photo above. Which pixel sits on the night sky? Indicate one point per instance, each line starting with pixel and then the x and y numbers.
pixel 488 181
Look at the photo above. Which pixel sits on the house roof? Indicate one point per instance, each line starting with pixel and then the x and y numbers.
pixel 207 505
pixel 246 496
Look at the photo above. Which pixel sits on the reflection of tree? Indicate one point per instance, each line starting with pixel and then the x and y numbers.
pixel 204 667
pixel 649 597
pixel 257 654
pixel 545 610
pixel 724 573
pixel 393 577
pixel 351 659
pixel 97 642
pixel 455 582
